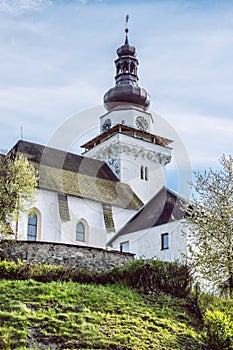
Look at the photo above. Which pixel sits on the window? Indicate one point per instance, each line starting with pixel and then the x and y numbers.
pixel 146 173
pixel 118 68
pixel 132 70
pixel 164 241
pixel 124 247
pixel 125 67
pixel 80 232
pixel 32 227
pixel 142 172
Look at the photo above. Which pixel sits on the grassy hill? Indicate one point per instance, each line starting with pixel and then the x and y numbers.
pixel 145 305
pixel 69 315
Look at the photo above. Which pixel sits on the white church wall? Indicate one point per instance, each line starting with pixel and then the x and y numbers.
pixel 52 229
pixel 147 243
pixel 90 214
pixel 120 217
pixel 49 223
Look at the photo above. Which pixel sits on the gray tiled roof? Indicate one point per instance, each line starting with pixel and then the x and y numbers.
pixel 71 174
pixel 59 159
pixel 164 207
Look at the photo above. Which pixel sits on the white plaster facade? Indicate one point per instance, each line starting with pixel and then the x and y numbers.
pixel 126 155
pixel 50 227
pixel 127 116
pixel 148 243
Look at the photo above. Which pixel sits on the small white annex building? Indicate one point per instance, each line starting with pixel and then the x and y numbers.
pixel 114 195
pixel 157 229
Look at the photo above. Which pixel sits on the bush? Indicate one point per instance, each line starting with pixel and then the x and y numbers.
pixel 154 276
pixel 219 330
pixel 10 270
pixel 151 276
pixel 43 273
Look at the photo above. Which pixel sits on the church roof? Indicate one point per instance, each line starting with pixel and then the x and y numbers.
pixel 75 175
pixel 59 159
pixel 164 207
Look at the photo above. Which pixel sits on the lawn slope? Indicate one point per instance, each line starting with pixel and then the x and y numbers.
pixel 68 315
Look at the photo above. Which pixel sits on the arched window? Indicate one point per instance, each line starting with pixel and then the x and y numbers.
pixel 146 173
pixel 132 68
pixel 142 172
pixel 125 67
pixel 118 68
pixel 80 232
pixel 32 227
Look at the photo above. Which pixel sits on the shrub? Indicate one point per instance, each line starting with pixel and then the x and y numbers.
pixel 115 275
pixel 10 269
pixel 151 276
pixel 154 276
pixel 219 330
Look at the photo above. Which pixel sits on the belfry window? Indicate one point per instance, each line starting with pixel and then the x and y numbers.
pixel 32 227
pixel 125 66
pixel 118 68
pixel 132 67
pixel 146 173
pixel 142 172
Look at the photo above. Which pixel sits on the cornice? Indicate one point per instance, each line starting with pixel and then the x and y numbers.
pixel 115 150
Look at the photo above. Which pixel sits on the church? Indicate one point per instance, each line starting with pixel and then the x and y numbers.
pixel 113 196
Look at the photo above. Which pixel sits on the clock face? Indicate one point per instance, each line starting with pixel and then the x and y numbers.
pixel 142 123
pixel 106 125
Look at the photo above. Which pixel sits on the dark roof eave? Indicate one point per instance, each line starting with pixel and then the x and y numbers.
pixel 120 128
pixel 123 230
pixel 131 207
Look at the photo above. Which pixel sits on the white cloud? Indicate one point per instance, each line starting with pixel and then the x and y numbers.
pixel 61 60
pixel 205 137
pixel 17 7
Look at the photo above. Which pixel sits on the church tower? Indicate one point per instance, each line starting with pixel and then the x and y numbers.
pixel 127 140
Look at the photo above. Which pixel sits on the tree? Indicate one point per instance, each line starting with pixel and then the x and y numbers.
pixel 18 182
pixel 211 231
pixel 211 216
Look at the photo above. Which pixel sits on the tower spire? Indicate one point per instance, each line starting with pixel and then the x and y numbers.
pixel 126 30
pixel 126 90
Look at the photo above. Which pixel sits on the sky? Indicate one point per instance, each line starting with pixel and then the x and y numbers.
pixel 57 61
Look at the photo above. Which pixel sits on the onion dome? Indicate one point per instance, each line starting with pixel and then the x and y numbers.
pixel 126 49
pixel 126 90
pixel 123 95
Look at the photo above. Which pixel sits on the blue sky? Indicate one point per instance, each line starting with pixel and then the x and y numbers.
pixel 57 60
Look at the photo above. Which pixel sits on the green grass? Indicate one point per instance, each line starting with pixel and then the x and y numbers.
pixel 68 315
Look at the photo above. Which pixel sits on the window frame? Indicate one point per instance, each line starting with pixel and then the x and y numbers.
pixel 79 223
pixel 165 244
pixel 32 237
pixel 122 245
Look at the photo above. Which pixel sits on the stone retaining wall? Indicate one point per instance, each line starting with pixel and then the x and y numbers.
pixel 62 254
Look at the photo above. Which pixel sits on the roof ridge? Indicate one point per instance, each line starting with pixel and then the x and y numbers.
pixel 160 209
